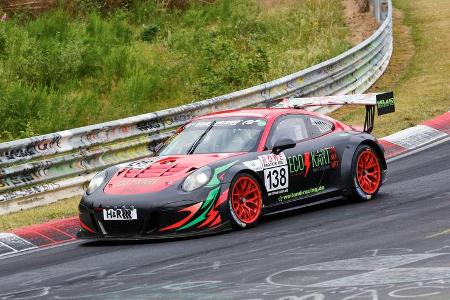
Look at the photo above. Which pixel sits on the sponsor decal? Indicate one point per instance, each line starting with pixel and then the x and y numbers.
pixel 228 123
pixel 136 181
pixel 199 124
pixel 301 193
pixel 319 160
pixel 142 164
pixel 278 192
pixel 273 160
pixel 254 122
pixel 118 214
pixel 385 103
pixel 266 161
pixel 255 165
pixel 299 164
pixel 276 173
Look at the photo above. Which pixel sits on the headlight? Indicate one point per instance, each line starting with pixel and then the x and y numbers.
pixel 197 179
pixel 96 182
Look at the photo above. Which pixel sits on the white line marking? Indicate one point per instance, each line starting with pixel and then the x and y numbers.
pixel 414 137
pixel 433 144
pixel 14 240
pixel 38 249
pixel 388 276
pixel 366 263
pixel 380 270
pixel 12 249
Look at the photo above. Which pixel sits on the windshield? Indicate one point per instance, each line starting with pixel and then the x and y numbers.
pixel 218 135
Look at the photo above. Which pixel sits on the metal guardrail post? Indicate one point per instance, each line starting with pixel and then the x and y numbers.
pixel 384 9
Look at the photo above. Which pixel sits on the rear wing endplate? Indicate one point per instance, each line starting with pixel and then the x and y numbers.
pixel 384 103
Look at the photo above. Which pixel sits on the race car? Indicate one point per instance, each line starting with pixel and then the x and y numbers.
pixel 228 169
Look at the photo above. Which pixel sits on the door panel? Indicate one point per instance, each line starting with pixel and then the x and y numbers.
pixel 313 167
pixel 308 165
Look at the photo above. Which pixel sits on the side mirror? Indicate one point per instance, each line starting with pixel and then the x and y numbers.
pixel 282 144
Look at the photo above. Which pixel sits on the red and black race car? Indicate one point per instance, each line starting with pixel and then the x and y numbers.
pixel 226 170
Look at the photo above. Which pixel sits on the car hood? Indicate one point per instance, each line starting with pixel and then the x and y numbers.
pixel 157 173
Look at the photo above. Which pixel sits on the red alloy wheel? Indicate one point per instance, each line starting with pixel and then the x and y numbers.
pixel 368 172
pixel 246 199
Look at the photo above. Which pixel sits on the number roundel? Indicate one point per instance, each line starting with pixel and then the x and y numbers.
pixel 276 178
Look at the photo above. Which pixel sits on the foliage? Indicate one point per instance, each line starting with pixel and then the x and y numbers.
pixel 96 61
pixel 149 32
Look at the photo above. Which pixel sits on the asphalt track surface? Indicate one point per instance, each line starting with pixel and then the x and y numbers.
pixel 397 246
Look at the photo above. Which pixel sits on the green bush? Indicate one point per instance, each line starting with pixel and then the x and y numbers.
pixel 149 33
pixel 227 67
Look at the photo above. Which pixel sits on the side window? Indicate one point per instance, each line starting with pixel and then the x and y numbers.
pixel 320 127
pixel 293 127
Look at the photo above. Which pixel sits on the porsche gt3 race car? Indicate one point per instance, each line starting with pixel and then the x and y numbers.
pixel 225 170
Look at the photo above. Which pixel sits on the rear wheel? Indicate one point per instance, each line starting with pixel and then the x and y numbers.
pixel 245 201
pixel 366 173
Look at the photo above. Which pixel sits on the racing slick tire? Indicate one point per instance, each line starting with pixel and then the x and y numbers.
pixel 366 173
pixel 244 201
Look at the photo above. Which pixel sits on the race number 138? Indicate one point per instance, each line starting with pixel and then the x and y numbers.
pixel 276 178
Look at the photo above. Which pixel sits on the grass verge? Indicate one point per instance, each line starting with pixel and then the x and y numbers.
pixel 419 69
pixel 75 66
pixel 58 210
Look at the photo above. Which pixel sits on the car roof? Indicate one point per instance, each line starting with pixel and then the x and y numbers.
pixel 267 113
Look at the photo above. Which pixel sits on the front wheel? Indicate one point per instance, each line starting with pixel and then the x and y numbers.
pixel 366 173
pixel 244 201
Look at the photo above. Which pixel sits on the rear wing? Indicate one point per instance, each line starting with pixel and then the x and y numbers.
pixel 383 101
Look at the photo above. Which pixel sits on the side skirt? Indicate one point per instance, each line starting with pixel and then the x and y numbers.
pixel 305 205
pixel 323 197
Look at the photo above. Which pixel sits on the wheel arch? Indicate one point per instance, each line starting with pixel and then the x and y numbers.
pixel 378 149
pixel 241 169
pixel 347 156
pixel 227 210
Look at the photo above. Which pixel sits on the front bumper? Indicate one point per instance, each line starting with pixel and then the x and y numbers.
pixel 155 219
pixel 84 235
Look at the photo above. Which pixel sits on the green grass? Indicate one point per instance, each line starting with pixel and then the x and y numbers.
pixel 58 210
pixel 419 77
pixel 77 66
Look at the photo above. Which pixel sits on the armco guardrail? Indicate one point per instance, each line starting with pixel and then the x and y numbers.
pixel 42 169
